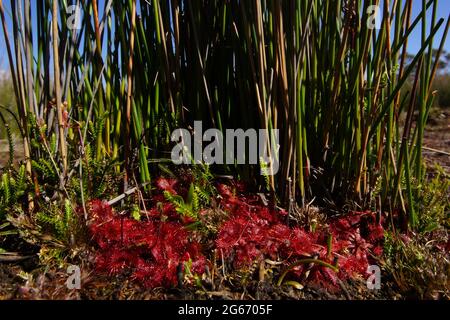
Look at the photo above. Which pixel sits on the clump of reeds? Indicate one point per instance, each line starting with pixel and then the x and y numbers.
pixel 315 69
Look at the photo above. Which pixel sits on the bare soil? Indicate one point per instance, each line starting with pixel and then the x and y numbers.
pixel 437 139
pixel 4 152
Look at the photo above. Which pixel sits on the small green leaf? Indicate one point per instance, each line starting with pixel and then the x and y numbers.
pixel 135 213
pixel 294 284
pixel 190 196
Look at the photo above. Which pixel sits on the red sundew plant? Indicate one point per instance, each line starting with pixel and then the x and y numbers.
pixel 167 184
pixel 255 232
pixel 150 251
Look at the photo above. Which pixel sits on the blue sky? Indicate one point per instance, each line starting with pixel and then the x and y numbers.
pixel 443 11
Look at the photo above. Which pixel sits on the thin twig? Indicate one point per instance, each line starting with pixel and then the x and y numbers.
pixel 436 151
pixel 127 193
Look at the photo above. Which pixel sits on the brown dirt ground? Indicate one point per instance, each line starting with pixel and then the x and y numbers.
pixel 437 136
pixel 4 152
